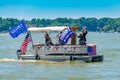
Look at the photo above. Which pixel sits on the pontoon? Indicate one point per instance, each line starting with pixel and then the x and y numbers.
pixel 67 52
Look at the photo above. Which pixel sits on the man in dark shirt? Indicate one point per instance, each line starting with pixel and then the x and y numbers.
pixel 82 36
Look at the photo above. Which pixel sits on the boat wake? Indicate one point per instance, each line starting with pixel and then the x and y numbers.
pixel 37 61
pixel 7 60
pixel 15 60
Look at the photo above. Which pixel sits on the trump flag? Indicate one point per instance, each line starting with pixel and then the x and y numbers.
pixel 16 31
pixel 64 37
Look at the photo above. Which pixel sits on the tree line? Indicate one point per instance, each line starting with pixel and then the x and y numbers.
pixel 92 24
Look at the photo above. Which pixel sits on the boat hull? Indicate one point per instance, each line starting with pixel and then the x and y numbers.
pixel 96 58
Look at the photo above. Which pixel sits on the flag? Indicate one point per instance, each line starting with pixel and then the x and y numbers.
pixel 25 43
pixel 16 31
pixel 66 33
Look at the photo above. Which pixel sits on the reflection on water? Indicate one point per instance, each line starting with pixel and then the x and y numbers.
pixel 13 69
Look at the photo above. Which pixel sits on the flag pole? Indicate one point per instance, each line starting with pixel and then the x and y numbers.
pixel 36 51
pixel 31 38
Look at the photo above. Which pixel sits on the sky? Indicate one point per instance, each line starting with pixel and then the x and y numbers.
pixel 28 9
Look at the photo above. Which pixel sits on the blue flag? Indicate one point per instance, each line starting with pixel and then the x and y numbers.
pixel 20 28
pixel 66 33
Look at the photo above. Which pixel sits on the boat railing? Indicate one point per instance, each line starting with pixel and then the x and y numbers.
pixel 65 49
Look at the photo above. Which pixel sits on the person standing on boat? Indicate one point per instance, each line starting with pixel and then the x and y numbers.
pixel 48 40
pixel 82 36
pixel 46 37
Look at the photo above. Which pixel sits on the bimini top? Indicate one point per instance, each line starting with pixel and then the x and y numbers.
pixel 44 29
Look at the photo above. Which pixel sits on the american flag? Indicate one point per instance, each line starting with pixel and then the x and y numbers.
pixel 25 43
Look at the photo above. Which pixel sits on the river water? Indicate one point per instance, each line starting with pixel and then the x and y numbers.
pixel 108 44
